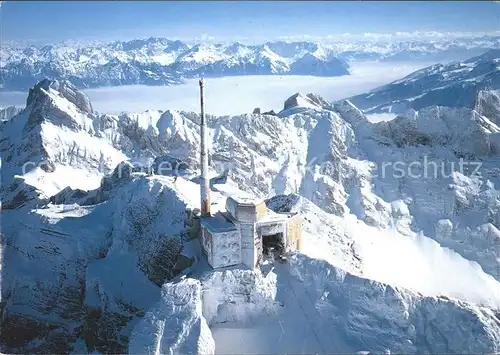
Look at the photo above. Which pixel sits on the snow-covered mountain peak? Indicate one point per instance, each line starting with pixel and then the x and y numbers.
pixel 238 50
pixel 198 56
pixel 300 100
pixel 52 137
pixel 455 85
pixel 469 133
pixel 351 113
pixel 382 237
pixel 267 57
pixel 62 89
pixel 492 55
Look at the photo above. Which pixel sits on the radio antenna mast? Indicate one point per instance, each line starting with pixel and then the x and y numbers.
pixel 204 183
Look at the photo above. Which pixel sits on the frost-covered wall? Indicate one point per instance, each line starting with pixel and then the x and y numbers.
pixel 221 249
pixel 232 207
pixel 294 233
pixel 249 251
pixel 246 212
pixel 206 242
pixel 272 228
pixel 226 249
pixel 290 229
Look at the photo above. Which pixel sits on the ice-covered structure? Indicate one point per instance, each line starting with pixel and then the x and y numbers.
pixel 246 232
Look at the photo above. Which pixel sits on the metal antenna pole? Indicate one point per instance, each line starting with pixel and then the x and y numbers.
pixel 204 184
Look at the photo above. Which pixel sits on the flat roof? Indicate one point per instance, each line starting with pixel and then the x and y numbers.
pixel 246 200
pixel 273 217
pixel 217 223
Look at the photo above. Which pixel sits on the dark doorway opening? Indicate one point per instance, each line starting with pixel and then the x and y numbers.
pixel 273 247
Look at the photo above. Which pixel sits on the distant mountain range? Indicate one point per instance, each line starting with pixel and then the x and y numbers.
pixel 160 61
pixel 456 84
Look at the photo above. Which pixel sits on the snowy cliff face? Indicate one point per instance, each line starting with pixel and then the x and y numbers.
pixel 396 210
pixel 426 167
pixel 377 317
pixel 54 135
pixel 88 228
pixel 453 85
pixel 467 132
pixel 488 105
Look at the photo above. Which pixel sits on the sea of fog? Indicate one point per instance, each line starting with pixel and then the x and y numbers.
pixel 237 94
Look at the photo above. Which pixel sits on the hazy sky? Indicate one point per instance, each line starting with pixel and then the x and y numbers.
pixel 47 21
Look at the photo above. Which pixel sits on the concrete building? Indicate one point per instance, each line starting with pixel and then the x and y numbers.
pixel 247 232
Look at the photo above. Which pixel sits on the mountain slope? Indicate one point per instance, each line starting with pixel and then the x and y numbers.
pixel 451 85
pixel 110 266
pixel 54 132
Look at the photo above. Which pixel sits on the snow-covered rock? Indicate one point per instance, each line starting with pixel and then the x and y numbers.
pixel 299 100
pixel 92 236
pixel 453 85
pixel 241 296
pixel 8 112
pixel 374 317
pixel 176 324
pixel 310 64
pixel 55 134
pixel 488 105
pixel 463 130
pixel 63 89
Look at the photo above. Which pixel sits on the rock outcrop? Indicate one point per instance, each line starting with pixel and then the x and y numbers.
pixel 65 89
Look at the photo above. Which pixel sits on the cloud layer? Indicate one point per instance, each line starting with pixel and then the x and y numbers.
pixel 235 95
